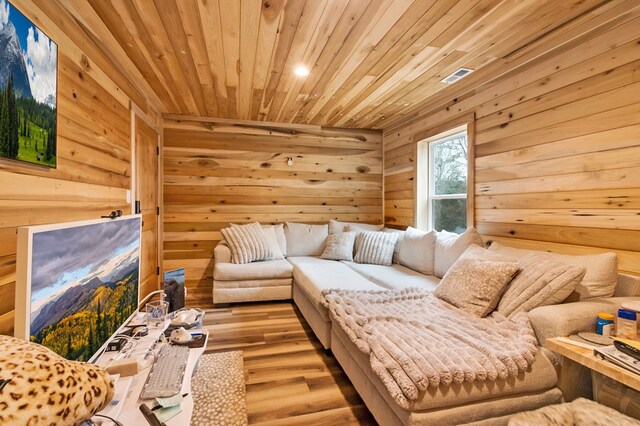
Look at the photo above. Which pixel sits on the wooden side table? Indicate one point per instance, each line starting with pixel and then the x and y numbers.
pixel 618 389
pixel 585 357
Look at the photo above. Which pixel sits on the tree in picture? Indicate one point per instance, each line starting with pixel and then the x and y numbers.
pixel 28 85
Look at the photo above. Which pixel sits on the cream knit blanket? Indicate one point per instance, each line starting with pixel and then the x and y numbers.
pixel 416 341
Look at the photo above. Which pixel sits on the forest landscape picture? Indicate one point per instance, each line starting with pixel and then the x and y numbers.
pixel 28 87
pixel 84 285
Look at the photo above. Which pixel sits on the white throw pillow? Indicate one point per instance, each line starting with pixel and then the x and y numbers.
pixel 274 245
pixel 375 248
pixel 248 243
pixel 601 275
pixel 340 246
pixel 417 250
pixel 305 240
pixel 396 250
pixel 282 239
pixel 450 246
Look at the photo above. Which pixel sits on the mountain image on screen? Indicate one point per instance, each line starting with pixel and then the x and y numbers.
pixel 76 324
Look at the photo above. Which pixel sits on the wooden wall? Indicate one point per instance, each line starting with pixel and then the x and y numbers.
pixel 557 158
pixel 94 147
pixel 220 171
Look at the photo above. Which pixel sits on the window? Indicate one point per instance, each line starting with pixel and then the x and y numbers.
pixel 442 182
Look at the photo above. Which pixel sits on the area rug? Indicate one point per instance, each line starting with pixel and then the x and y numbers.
pixel 219 396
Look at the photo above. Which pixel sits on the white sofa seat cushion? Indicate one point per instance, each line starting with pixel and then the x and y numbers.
pixel 313 275
pixel 395 276
pixel 265 270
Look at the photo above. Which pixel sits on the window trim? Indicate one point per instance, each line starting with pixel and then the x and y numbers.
pixel 425 183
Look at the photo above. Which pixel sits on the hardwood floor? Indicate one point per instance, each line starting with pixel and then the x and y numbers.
pixel 290 378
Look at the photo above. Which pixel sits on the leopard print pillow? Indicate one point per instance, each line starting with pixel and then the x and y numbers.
pixel 39 387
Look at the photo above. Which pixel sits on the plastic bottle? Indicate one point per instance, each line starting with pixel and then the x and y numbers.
pixel 605 324
pixel 626 326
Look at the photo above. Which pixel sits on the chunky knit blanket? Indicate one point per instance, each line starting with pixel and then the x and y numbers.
pixel 416 341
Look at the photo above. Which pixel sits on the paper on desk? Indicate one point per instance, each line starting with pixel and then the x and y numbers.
pixel 166 414
pixel 171 401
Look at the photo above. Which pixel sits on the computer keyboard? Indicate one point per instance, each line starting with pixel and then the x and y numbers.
pixel 167 373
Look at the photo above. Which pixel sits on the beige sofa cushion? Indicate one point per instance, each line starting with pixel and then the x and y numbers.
pixel 265 270
pixel 312 275
pixel 417 250
pixel 305 240
pixel 336 226
pixel 541 281
pixel 394 276
pixel 599 280
pixel 476 286
pixel 450 246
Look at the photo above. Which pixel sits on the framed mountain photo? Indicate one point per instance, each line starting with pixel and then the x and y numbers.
pixel 28 90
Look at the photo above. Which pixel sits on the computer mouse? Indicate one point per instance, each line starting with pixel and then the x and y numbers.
pixel 180 335
pixel 140 331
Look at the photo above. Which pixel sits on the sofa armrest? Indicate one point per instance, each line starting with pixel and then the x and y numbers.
pixel 569 318
pixel 221 253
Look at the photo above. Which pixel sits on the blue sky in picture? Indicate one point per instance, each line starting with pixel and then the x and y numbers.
pixel 39 51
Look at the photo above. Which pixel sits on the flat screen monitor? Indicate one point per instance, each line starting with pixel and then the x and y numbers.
pixel 77 283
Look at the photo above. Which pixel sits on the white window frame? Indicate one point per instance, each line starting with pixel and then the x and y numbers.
pixel 425 181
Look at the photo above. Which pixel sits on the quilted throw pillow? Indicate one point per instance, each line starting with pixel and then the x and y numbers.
pixel 542 281
pixel 339 246
pixel 375 248
pixel 475 285
pixel 248 243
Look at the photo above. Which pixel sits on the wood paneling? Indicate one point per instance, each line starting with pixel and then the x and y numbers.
pixel 217 172
pixel 557 141
pixel 290 379
pixel 371 61
pixel 94 147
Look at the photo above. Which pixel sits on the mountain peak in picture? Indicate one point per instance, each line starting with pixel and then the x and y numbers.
pixel 12 62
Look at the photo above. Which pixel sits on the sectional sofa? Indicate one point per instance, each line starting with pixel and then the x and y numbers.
pixel 303 276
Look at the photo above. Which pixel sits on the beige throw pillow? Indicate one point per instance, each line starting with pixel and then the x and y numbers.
pixel 305 240
pixel 450 246
pixel 418 250
pixel 475 285
pixel 600 278
pixel 339 246
pixel 248 243
pixel 375 248
pixel 541 281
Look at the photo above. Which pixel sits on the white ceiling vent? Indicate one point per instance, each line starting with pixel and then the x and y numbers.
pixel 456 75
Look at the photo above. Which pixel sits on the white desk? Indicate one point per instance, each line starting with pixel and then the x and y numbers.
pixel 129 413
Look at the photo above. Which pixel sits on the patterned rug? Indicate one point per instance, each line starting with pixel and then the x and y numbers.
pixel 218 391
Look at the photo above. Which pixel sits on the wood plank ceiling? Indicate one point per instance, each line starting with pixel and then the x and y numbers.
pixel 371 61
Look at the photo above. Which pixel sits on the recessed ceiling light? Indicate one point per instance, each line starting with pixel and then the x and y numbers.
pixel 301 71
